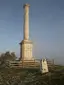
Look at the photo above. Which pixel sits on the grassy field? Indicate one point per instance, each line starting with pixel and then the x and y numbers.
pixel 18 76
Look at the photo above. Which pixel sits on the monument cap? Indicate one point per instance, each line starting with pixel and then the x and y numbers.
pixel 26 5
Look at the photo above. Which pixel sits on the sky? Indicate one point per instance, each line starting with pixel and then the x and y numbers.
pixel 46 27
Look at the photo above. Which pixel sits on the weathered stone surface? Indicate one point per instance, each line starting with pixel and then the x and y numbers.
pixel 26 44
pixel 26 21
pixel 43 66
pixel 26 50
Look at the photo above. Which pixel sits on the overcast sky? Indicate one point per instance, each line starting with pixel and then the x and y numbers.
pixel 46 27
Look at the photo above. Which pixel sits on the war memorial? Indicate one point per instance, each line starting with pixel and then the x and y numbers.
pixel 26 59
pixel 26 44
pixel 27 70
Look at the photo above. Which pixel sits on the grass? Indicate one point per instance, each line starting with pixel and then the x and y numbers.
pixel 18 76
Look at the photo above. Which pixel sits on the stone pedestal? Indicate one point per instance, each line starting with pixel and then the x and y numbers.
pixel 26 50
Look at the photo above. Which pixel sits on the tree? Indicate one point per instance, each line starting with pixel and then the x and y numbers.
pixel 7 56
pixel 13 56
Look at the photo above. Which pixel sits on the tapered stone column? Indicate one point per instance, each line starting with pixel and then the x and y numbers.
pixel 26 21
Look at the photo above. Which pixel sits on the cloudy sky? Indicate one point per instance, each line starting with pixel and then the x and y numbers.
pixel 46 27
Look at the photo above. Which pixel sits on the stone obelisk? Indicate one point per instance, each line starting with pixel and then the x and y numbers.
pixel 26 44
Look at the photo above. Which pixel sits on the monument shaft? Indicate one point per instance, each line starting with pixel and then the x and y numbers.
pixel 26 22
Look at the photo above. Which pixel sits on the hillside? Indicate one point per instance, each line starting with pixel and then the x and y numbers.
pixel 18 76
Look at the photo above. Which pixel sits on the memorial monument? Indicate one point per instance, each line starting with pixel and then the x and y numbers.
pixel 44 66
pixel 26 44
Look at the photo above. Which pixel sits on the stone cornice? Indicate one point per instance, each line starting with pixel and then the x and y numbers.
pixel 26 42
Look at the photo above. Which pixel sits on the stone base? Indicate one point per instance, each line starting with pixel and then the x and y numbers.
pixel 26 50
